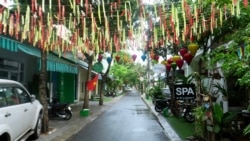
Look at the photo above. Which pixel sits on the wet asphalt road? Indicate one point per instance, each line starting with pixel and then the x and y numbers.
pixel 127 120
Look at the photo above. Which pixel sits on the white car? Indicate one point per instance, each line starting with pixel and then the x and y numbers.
pixel 20 113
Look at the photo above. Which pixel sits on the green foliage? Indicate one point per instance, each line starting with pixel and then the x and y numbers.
pixel 199 113
pixel 246 130
pixel 221 119
pixel 156 92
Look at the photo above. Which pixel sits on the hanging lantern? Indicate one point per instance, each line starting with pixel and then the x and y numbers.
pixel 152 55
pixel 99 58
pixel 109 59
pixel 179 63
pixel 193 47
pixel 143 57
pixel 134 56
pixel 174 66
pixel 188 58
pixel 156 58
pixel 183 51
pixel 117 58
pixel 168 67
pixel 170 60
pixel 176 57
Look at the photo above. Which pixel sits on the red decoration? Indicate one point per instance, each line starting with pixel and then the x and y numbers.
pixel 170 60
pixel 183 51
pixel 188 57
pixel 117 58
pixel 92 83
pixel 100 58
pixel 168 67
pixel 179 63
pixel 134 56
pixel 156 57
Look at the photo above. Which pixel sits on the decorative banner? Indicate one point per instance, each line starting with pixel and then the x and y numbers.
pixel 92 83
pixel 109 59
pixel 143 57
pixel 98 67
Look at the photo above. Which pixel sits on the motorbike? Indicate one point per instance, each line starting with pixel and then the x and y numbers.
pixel 60 110
pixel 188 113
pixel 160 104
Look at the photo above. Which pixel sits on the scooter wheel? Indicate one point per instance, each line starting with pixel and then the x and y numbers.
pixel 158 108
pixel 189 117
pixel 68 115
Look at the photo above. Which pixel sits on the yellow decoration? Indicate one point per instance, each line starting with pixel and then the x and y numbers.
pixel 176 57
pixel 193 47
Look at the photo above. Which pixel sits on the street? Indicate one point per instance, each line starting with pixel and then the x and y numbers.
pixel 127 120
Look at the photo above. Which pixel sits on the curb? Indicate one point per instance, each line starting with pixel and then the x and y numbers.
pixel 168 130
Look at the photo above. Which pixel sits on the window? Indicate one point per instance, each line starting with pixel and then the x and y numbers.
pixel 3 100
pixel 11 96
pixel 23 95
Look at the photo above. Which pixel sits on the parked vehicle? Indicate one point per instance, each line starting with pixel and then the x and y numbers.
pixel 60 110
pixel 188 113
pixel 160 104
pixel 20 113
pixel 110 93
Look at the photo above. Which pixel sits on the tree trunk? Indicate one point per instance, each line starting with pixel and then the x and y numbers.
pixel 86 94
pixel 43 91
pixel 104 78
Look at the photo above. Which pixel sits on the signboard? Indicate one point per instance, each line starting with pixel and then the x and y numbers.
pixel 184 92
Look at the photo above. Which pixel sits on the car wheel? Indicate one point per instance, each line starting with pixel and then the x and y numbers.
pixel 38 128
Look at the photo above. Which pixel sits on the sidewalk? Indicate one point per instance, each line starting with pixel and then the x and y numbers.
pixel 63 130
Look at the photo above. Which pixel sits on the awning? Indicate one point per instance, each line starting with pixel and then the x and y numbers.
pixel 9 44
pixel 54 63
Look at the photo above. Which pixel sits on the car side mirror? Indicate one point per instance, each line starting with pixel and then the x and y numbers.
pixel 33 98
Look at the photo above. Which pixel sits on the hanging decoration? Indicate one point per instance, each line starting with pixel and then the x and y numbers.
pixel 99 58
pixel 143 57
pixel 134 56
pixel 80 29
pixel 183 51
pixel 168 67
pixel 170 60
pixel 180 63
pixel 188 57
pixel 174 66
pixel 176 57
pixel 193 47
pixel 117 58
pixel 109 59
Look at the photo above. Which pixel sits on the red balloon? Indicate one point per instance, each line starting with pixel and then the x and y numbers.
pixel 188 57
pixel 179 63
pixel 183 51
pixel 170 60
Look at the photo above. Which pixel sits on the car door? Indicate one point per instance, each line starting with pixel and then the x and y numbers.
pixel 11 114
pixel 28 108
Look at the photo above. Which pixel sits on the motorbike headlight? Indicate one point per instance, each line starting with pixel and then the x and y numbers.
pixel 69 108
